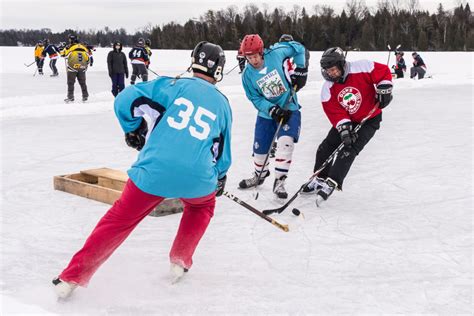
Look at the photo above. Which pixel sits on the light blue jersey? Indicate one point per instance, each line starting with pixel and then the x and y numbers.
pixel 188 143
pixel 268 86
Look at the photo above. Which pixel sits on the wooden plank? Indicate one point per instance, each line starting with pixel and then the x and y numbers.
pixel 107 173
pixel 84 189
pixel 106 185
pixel 111 184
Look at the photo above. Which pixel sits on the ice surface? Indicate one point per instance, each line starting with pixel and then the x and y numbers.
pixel 397 240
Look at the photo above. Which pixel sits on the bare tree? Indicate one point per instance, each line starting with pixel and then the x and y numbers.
pixel 356 8
pixel 413 6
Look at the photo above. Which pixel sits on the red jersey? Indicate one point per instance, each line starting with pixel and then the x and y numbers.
pixel 355 98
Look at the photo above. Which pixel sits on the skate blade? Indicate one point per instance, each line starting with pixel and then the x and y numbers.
pixel 319 201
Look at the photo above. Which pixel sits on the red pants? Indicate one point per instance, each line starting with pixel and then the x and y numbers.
pixel 115 226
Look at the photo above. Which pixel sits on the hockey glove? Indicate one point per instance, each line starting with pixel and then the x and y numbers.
pixel 298 78
pixel 348 136
pixel 279 114
pixel 384 94
pixel 136 139
pixel 221 185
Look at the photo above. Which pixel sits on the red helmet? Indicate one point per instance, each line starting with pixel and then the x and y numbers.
pixel 251 44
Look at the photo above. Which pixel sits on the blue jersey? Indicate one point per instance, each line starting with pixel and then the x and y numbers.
pixel 268 86
pixel 188 143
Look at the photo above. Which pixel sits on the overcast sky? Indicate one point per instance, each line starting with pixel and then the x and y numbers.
pixel 59 15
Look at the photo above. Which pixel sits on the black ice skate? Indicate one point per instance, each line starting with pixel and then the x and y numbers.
pixel 252 182
pixel 69 100
pixel 84 99
pixel 313 187
pixel 326 190
pixel 279 188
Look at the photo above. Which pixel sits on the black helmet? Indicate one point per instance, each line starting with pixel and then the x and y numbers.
pixel 208 59
pixel 46 41
pixel 333 56
pixel 399 52
pixel 72 38
pixel 141 42
pixel 148 42
pixel 286 38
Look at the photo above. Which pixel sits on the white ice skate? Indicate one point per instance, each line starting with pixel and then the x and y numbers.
pixel 62 288
pixel 177 272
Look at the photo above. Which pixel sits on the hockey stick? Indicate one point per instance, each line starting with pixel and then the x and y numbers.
pixel 316 173
pixel 252 209
pixel 154 72
pixel 271 144
pixel 29 64
pixel 231 70
pixel 390 50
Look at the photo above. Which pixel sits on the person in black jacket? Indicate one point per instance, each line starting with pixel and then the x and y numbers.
pixel 53 53
pixel 118 69
pixel 400 67
pixel 419 67
pixel 139 59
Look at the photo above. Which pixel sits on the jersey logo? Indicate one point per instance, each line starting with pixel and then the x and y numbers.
pixel 271 85
pixel 350 99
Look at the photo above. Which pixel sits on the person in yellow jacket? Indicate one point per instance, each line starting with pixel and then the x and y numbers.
pixel 148 51
pixel 39 59
pixel 77 57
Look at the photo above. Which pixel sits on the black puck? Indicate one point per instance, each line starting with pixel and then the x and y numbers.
pixel 296 212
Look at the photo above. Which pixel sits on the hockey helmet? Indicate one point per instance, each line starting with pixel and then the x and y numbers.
pixel 72 39
pixel 148 42
pixel 141 42
pixel 252 44
pixel 286 38
pixel 208 59
pixel 333 56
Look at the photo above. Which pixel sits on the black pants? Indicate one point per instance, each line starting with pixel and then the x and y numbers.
pixel 118 83
pixel 344 159
pixel 399 73
pixel 139 70
pixel 39 64
pixel 52 65
pixel 71 79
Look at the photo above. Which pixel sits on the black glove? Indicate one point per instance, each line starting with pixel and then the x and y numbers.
pixel 242 61
pixel 136 139
pixel 384 94
pixel 279 114
pixel 348 136
pixel 126 75
pixel 298 78
pixel 221 185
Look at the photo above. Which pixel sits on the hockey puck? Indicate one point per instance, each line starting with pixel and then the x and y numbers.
pixel 296 212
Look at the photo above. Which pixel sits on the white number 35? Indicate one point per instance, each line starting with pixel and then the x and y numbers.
pixel 202 130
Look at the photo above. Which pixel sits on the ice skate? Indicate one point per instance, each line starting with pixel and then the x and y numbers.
pixel 251 182
pixel 325 191
pixel 177 272
pixel 69 100
pixel 279 188
pixel 84 99
pixel 62 288
pixel 312 187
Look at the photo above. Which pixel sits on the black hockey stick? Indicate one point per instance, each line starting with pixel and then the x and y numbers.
pixel 316 173
pixel 231 70
pixel 154 72
pixel 252 209
pixel 29 64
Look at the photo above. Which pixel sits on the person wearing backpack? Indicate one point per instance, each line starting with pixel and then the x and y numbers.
pixel 77 58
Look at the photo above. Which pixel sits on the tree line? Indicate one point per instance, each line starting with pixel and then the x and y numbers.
pixel 356 27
